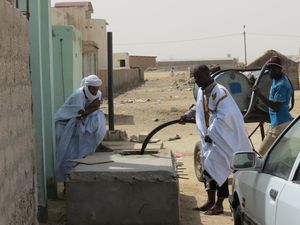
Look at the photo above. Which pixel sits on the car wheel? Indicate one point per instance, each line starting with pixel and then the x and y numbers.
pixel 197 162
pixel 238 218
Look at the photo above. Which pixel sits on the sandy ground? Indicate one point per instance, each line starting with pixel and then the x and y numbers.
pixel 140 110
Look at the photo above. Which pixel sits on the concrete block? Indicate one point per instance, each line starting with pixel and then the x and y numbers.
pixel 142 136
pixel 115 135
pixel 132 190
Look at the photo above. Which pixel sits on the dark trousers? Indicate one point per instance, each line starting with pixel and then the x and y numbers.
pixel 211 185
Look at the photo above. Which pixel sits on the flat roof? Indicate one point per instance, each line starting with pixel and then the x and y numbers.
pixel 74 4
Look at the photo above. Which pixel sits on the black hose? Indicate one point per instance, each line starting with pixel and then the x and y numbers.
pixel 161 126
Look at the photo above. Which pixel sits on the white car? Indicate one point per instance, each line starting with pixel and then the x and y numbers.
pixel 266 191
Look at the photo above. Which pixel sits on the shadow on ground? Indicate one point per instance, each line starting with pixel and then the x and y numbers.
pixel 189 217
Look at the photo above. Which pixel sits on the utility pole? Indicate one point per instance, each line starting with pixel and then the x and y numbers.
pixel 111 123
pixel 245 47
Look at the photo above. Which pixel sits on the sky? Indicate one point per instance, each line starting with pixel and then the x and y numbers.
pixel 201 29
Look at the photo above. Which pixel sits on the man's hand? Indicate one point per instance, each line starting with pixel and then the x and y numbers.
pixel 95 103
pixel 81 112
pixel 182 119
pixel 256 91
pixel 207 139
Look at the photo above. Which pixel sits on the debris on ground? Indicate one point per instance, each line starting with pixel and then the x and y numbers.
pixel 176 137
pixel 141 138
pixel 183 84
pixel 143 100
pixel 173 109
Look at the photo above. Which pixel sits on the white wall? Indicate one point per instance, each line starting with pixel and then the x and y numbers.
pixel 121 56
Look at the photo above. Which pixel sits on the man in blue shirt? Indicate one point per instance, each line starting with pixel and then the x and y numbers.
pixel 278 102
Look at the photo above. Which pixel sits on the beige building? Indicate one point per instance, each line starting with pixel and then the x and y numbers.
pixel 78 14
pixel 289 66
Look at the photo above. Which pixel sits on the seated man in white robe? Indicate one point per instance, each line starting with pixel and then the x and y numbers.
pixel 222 132
pixel 79 125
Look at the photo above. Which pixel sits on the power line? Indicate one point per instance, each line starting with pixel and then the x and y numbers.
pixel 275 35
pixel 207 38
pixel 180 41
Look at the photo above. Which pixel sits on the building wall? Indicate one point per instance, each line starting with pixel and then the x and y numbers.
pixel 143 62
pixel 91 29
pixel 121 56
pixel 17 152
pixel 89 58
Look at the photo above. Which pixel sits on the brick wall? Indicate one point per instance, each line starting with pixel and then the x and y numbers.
pixel 17 155
pixel 143 62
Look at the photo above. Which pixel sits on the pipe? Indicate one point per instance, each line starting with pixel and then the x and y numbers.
pixel 155 130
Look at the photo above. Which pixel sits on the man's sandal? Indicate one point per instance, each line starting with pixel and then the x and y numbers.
pixel 202 208
pixel 214 211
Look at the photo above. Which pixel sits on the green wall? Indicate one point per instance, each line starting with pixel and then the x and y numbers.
pixel 67 62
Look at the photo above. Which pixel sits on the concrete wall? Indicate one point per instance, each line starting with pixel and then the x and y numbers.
pixel 121 56
pixel 123 79
pixel 143 62
pixel 17 151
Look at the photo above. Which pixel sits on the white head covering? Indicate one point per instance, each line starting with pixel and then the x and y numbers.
pixel 91 80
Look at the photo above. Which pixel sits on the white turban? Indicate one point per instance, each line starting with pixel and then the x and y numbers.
pixel 91 80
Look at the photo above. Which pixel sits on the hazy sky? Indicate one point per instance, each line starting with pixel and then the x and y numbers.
pixel 200 29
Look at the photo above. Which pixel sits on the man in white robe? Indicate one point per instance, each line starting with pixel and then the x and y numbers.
pixel 222 132
pixel 79 125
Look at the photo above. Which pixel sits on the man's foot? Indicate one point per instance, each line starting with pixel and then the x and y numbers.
pixel 215 210
pixel 204 207
pixel 103 148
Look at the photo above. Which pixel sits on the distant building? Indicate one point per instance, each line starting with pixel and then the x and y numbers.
pixel 191 64
pixel 289 66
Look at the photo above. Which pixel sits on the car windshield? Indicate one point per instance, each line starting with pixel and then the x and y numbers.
pixel 282 157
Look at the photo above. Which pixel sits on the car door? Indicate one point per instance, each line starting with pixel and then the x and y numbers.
pixel 277 172
pixel 288 205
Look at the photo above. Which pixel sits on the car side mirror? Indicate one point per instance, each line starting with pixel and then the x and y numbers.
pixel 244 161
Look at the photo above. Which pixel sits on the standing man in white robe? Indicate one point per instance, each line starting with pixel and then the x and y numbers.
pixel 79 125
pixel 222 132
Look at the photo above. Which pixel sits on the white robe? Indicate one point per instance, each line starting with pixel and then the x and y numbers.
pixel 226 129
pixel 76 138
